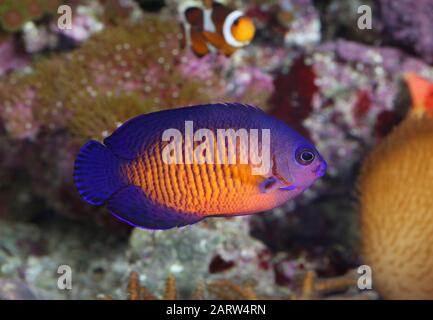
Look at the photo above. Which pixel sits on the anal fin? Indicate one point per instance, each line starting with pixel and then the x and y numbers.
pixel 131 205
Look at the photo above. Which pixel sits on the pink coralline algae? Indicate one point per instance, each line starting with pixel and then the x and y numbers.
pixel 290 23
pixel 84 24
pixel 117 74
pixel 410 25
pixel 246 79
pixel 304 29
pixel 11 56
pixel 356 102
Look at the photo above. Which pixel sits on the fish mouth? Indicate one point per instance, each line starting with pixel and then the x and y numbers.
pixel 321 169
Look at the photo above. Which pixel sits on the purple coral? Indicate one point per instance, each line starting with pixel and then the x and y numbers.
pixel 410 25
pixel 11 57
pixel 350 77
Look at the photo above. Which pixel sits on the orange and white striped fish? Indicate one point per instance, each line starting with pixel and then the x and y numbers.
pixel 215 28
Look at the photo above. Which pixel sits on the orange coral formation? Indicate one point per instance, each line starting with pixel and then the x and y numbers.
pixel 227 290
pixel 137 292
pixel 310 288
pixel 396 204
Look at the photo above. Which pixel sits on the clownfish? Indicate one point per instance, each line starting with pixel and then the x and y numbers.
pixel 133 175
pixel 215 28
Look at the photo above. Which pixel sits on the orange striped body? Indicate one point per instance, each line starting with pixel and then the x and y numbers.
pixel 203 189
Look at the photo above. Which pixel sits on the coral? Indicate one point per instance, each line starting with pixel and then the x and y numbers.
pixel 116 75
pixel 409 26
pixel 304 27
pixel 32 253
pixel 45 35
pixel 339 19
pixel 396 210
pixel 292 100
pixel 118 67
pixel 289 23
pixel 309 288
pixel 135 291
pixel 357 86
pixel 211 250
pixel 129 68
pixel 100 260
pixel 346 97
pixel 15 290
pixel 125 72
pixel 11 55
pixel 14 14
pixel 227 290
pixel 342 287
pixel 170 288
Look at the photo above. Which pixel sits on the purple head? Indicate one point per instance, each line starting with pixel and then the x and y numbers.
pixel 305 165
pixel 299 164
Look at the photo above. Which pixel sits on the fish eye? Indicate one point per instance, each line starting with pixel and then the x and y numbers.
pixel 305 156
pixel 236 22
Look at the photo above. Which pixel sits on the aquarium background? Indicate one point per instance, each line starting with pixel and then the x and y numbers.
pixel 310 65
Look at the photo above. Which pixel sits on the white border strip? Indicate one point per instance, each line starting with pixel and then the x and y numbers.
pixel 230 19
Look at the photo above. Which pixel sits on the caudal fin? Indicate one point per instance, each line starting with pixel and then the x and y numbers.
pixel 97 173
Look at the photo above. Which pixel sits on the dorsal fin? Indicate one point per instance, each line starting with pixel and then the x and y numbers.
pixel 421 91
pixel 134 136
pixel 243 105
pixel 194 16
pixel 219 14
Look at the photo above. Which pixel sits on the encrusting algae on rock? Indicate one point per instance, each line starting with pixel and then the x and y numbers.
pixel 396 203
pixel 128 69
pixel 14 14
pixel 121 72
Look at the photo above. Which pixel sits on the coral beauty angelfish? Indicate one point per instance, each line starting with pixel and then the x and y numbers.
pixel 129 175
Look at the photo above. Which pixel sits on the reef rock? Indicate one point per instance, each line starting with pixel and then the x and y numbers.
pixel 15 290
pixel 410 25
pixel 214 249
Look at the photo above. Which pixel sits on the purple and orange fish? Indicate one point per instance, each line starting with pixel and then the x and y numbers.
pixel 129 174
pixel 215 27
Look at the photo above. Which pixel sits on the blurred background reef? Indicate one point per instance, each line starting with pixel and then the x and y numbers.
pixel 309 65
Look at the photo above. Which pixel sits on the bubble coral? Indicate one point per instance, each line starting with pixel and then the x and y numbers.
pixel 396 204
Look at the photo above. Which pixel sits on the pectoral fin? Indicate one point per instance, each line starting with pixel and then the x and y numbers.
pixel 272 183
pixel 214 39
pixel 198 43
pixel 269 184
